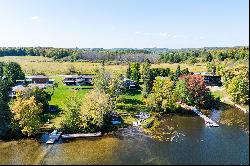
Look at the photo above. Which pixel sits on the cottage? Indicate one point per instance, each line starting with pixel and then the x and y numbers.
pixel 78 80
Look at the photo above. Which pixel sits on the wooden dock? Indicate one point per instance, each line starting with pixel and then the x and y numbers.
pixel 208 122
pixel 81 135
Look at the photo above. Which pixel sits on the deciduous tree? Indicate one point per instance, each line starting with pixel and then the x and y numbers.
pixel 27 114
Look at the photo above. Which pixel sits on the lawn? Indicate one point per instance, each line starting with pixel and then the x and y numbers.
pixel 129 104
pixel 62 92
pixel 59 98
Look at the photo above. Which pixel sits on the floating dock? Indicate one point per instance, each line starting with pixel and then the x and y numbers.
pixel 81 135
pixel 53 137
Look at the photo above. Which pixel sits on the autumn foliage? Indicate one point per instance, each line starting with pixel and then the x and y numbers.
pixel 196 89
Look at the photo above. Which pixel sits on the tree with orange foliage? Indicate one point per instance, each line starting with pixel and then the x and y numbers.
pixel 197 92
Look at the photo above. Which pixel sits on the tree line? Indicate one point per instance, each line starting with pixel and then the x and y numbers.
pixel 204 55
pixel 131 55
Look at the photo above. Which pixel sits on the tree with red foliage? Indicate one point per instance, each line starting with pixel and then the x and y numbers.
pixel 197 91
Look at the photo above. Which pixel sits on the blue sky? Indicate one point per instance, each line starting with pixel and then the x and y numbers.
pixel 124 23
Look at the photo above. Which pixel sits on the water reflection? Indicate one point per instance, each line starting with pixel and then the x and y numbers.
pixel 235 117
pixel 192 143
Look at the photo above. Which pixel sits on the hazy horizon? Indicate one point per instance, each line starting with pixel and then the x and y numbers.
pixel 124 24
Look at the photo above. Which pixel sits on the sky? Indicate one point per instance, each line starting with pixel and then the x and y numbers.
pixel 124 23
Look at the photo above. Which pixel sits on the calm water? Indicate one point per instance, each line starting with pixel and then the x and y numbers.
pixel 189 143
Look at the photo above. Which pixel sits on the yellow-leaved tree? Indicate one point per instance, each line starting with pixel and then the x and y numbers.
pixel 162 98
pixel 94 110
pixel 26 114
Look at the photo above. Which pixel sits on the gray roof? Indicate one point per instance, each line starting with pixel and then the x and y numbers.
pixel 18 87
pixel 37 76
pixel 79 76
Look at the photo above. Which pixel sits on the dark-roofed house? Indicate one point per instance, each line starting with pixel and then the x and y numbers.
pixel 80 80
pixel 212 80
pixel 130 84
pixel 38 79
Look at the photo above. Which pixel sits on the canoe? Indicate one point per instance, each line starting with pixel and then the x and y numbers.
pixel 81 135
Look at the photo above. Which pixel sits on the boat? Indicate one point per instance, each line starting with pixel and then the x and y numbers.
pixel 143 115
pixel 54 136
pixel 136 124
pixel 116 122
pixel 81 135
pixel 210 124
pixel 51 141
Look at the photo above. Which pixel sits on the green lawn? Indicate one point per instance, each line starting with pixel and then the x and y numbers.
pixel 130 104
pixel 59 98
pixel 62 92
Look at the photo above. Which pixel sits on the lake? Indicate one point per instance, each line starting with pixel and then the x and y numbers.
pixel 184 140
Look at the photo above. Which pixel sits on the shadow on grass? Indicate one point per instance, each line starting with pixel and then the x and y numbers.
pixel 80 88
pixel 133 92
pixel 52 113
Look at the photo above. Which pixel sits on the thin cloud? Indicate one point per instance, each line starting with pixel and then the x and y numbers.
pixel 34 18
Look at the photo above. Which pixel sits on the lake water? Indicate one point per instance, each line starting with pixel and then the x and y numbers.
pixel 189 143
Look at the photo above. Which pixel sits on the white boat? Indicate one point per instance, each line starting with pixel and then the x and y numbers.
pixel 142 115
pixel 136 124
pixel 51 141
pixel 210 124
pixel 54 136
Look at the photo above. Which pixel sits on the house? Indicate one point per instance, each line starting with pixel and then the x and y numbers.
pixel 16 88
pixel 211 80
pixel 78 80
pixel 38 79
pixel 130 84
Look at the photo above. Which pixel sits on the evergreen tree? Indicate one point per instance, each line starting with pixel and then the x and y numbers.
pixel 128 72
pixel 147 78
pixel 135 72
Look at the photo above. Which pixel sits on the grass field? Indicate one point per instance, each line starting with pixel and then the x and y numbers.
pixel 36 64
pixel 59 98
pixel 62 92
